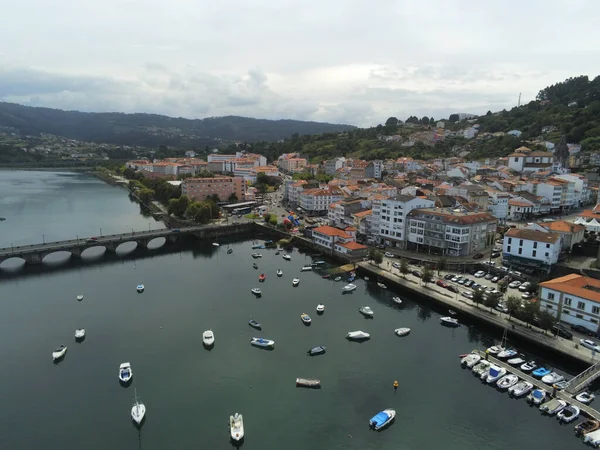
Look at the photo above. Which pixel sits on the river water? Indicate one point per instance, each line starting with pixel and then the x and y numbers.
pixel 190 392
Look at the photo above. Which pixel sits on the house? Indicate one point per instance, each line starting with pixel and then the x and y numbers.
pixel 573 299
pixel 338 240
pixel 571 233
pixel 332 165
pixel 292 165
pixel 316 201
pixel 190 154
pixel 515 133
pixel 341 214
pixel 531 248
pixel 362 222
pixel 525 160
pixel 582 194
pixel 472 192
pixel 520 208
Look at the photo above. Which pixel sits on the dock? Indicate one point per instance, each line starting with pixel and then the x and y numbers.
pixel 585 409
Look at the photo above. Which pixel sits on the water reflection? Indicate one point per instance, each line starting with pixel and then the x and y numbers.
pixel 423 314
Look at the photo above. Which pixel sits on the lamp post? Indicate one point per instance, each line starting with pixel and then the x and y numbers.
pixel 100 232
pixel 77 239
pixel 43 239
pixel 12 249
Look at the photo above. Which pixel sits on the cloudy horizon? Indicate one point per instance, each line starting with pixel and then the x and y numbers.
pixel 340 62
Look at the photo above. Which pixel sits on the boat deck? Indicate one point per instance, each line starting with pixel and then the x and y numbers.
pixel 585 409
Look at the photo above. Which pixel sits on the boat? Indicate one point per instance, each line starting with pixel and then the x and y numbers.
pixel 208 338
pixel 552 378
pixel 216 244
pixel 494 349
pixel 521 388
pixel 592 438
pixel 308 382
pixel 452 312
pixel 337 279
pixel 507 381
pixel 138 411
pixel 349 288
pixel 357 336
pixel 351 279
pixel 585 397
pixel 366 311
pixel 229 251
pixel 320 308
pixel 125 373
pixel 279 272
pixel 568 414
pixel 382 419
pixel 449 321
pixel 553 406
pixel 326 276
pixel 260 342
pixel 537 396
pixel 80 297
pixel 277 253
pixel 287 257
pixel 256 255
pixel 256 291
pixel 470 360
pixel 305 318
pixel 495 374
pixel 507 353
pixel 561 385
pixel 587 426
pixel 236 427
pixel 316 350
pixel 254 265
pixel 481 367
pixel 262 277
pixel 402 331
pixel 140 288
pixel 80 334
pixel 381 285
pixel 397 300
pixel 516 361
pixel 528 366
pixel 366 278
pixel 295 282
pixel 254 324
pixel 305 268
pixel 257 246
pixel 59 353
pixel 540 372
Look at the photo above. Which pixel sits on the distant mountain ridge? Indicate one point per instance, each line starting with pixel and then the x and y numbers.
pixel 151 130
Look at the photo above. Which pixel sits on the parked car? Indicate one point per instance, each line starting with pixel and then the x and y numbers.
pixel 442 283
pixel 467 294
pixel 514 284
pixel 396 265
pixel 469 283
pixel 448 277
pixel 92 239
pixel 562 332
pixel 478 256
pixel 416 273
pixel 452 288
pixel 462 281
pixel 501 307
pixel 582 329
pixel 517 274
pixel 590 344
pixel 489 276
pixel 489 263
pixel 455 278
pixel 525 286
pixel 388 255
pixel 495 255
pixel 504 269
pixel 527 295
pixel 480 274
pixel 475 286
pixel 495 279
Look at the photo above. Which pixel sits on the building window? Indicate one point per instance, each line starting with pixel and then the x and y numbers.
pixel 593 321
pixel 550 296
pixel 508 249
pixel 520 242
pixel 520 251
pixel 566 312
pixel 549 306
pixel 533 253
pixel 547 254
pixel 568 301
pixel 579 316
pixel 595 310
pixel 510 240
pixel 535 245
pixel 547 245
pixel 581 305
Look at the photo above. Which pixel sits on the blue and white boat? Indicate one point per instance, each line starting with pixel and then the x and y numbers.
pixel 263 343
pixel 382 419
pixel 351 279
pixel 305 319
pixel 125 373
pixel 254 324
pixel 316 350
pixel 541 372
pixel 140 288
pixel 537 396
pixel 508 353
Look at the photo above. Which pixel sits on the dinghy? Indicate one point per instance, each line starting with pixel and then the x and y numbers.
pixel 236 427
pixel 262 277
pixel 587 426
pixel 229 251
pixel 138 411
pixel 382 286
pixel 449 321
pixel 59 353
pixel 279 272
pixel 366 311
pixel 263 343
pixel 80 334
pixel 256 291
pixel 397 300
pixel 537 396
pixel 295 282
pixel 521 388
pixel 358 336
pixel 256 255
pixel 554 406
pixel 208 338
pixel 507 381
pixel 308 382
pixel 592 438
pixel 349 288
pixel 481 367
pixel 516 361
pixel 402 331
pixel 552 378
pixel 305 319
pixel 382 419
pixel 568 414
pixel 216 244
pixel 585 397
pixel 320 308
pixel 470 360
pixel 306 268
pixel 80 297
pixel 254 324
pixel 495 374
pixel 528 366
pixel 540 372
pixel 125 373
pixel 287 257
pixel 316 350
pixel 337 279
pixel 140 288
pixel 255 266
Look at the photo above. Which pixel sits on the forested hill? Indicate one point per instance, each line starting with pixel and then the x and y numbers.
pixel 152 130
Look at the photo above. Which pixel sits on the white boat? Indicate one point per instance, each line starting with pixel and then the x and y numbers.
pixel 585 397
pixel 366 311
pixel 382 419
pixel 125 373
pixel 305 318
pixel 256 291
pixel 449 321
pixel 528 366
pixel 308 382
pixel 552 378
pixel 140 288
pixel 59 353
pixel 516 361
pixel 481 367
pixel 80 297
pixel 208 338
pixel 260 342
pixel 279 272
pixel 537 396
pixel 320 308
pixel 381 285
pixel 402 331
pixel 216 244
pixel 287 257
pixel 305 268
pixel 295 282
pixel 568 414
pixel 521 388
pixel 349 287
pixel 495 374
pixel 592 438
pixel 470 360
pixel 357 336
pixel 507 353
pixel 138 411
pixel 494 349
pixel 337 279
pixel 80 333
pixel 236 427
pixel 397 300
pixel 507 381
pixel 554 406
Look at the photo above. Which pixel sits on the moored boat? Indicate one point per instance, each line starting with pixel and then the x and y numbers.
pixel 316 350
pixel 337 279
pixel 229 251
pixel 507 381
pixel 215 244
pixel 279 272
pixel 540 372
pixel 517 361
pixel 59 353
pixel 397 300
pixel 256 291
pixel 507 353
pixel 568 414
pixel 366 311
pixel 481 367
pixel 552 378
pixel 357 336
pixel 256 255
pixel 125 373
pixel 521 388
pixel 494 349
pixel 254 324
pixel 295 282
pixel 537 396
pixel 449 321
pixel 320 308
pixel 138 411
pixel 349 288
pixel 255 266
pixel 262 277
pixel 470 360
pixel 208 338
pixel 140 288
pixel 592 438
pixel 287 257
pixel 402 331
pixel 382 419
pixel 587 426
pixel 236 427
pixel 80 297
pixel 80 334
pixel 308 382
pixel 381 285
pixel 305 319
pixel 528 366
pixel 553 406
pixel 306 268
pixel 495 373
pixel 585 397
pixel 261 342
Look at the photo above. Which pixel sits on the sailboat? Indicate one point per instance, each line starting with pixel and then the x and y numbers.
pixel 138 411
pixel 495 349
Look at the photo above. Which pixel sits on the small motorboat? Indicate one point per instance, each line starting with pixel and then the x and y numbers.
pixel 326 276
pixel 257 246
pixel 80 297
pixel 349 288
pixel 208 338
pixel 521 388
pixel 554 406
pixel 585 397
pixel 305 319
pixel 80 334
pixel 568 414
pixel 494 350
pixel 507 381
pixel 552 378
pixel 277 253
pixel 397 300
pixel 587 426
pixel 287 257
pixel 263 343
pixel 320 308
pixel 59 353
pixel 382 419
pixel 508 353
pixel 256 255
pixel 308 382
pixel 140 288
pixel 537 396
pixel 236 427
pixel 337 279
pixel 481 367
pixel 470 360
pixel 402 331
pixel 306 268
pixel 316 350
pixel 452 312
pixel 255 266
pixel 517 361
pixel 561 385
pixel 366 311
pixel 495 374
pixel 351 279
pixel 358 336
pixel 256 291
pixel 229 251
pixel 262 277
pixel 279 272
pixel 381 285
pixel 528 366
pixel 592 438
pixel 254 324
pixel 125 373
pixel 295 282
pixel 366 278
pixel 540 372
pixel 449 321
pixel 138 411
pixel 215 244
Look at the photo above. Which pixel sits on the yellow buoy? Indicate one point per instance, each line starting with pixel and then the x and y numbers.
pixel 395 384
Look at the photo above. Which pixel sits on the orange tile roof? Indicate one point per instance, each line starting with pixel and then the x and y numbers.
pixel 366 213
pixel 331 231
pixel 532 235
pixel 352 245
pixel 578 285
pixel 512 202
pixel 564 226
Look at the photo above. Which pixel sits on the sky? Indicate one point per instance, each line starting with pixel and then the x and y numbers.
pixel 352 61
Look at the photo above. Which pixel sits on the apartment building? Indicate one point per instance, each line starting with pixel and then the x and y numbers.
pixel 341 214
pixel 338 240
pixel 201 188
pixel 531 248
pixel 526 160
pixel 472 192
pixel 316 201
pixel 293 189
pixel 582 193
pixel 567 198
pixel 292 165
pixel 552 190
pixel 374 169
pixel 570 233
pixel 332 165
pixel 498 204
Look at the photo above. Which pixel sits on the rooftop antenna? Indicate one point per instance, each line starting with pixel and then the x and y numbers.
pixel 519 102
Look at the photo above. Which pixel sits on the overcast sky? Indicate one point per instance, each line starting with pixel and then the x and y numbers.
pixel 349 61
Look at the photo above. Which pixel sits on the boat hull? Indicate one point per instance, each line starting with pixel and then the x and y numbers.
pixel 308 383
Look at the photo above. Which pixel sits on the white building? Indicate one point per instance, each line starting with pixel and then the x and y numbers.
pixel 498 204
pixel 332 165
pixel 552 190
pixel 389 217
pixel 317 200
pixel 531 248
pixel 469 133
pixel 525 160
pixel 340 241
pixel 581 194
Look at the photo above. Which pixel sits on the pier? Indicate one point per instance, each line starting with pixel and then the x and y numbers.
pixel 583 380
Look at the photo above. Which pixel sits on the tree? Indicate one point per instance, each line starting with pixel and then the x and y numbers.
pixel 454 118
pixel 214 198
pixel 491 301
pixel 145 195
pixel 375 255
pixel 441 265
pixel 199 212
pixel 547 320
pixel 513 304
pixel 392 121
pixel 273 220
pixel 425 120
pixel 427 276
pixel 262 178
pixel 431 121
pixel 529 312
pixel 534 287
pixel 267 218
pixel 233 198
pixel 178 206
pixel 403 267
pixel 477 297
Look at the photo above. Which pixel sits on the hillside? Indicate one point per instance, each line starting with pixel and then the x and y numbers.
pixel 152 130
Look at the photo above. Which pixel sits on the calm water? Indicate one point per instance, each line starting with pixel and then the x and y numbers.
pixel 190 392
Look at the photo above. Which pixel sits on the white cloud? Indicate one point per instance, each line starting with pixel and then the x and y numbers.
pixel 341 61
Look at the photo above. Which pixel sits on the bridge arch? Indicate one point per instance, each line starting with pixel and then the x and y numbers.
pixel 156 242
pixel 94 252
pixel 126 246
pixel 13 264
pixel 55 258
